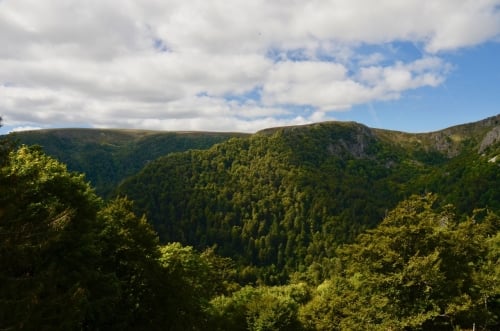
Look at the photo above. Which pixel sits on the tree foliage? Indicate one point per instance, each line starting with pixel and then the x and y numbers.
pixel 259 309
pixel 47 254
pixel 68 261
pixel 419 269
pixel 276 202
pixel 290 229
pixel 109 156
pixel 281 201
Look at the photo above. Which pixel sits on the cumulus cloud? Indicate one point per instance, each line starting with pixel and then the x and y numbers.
pixel 222 65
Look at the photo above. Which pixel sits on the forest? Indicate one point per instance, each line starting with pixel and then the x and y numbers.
pixel 330 226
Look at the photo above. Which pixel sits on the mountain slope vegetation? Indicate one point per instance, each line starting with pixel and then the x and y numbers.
pixel 107 156
pixel 331 226
pixel 285 198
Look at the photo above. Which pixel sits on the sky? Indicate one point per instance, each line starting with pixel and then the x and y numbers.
pixel 240 65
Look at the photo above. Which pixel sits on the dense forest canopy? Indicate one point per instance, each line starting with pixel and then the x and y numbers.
pixel 332 226
pixel 284 199
pixel 108 156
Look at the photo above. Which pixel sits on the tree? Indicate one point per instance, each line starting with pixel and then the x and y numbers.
pixel 69 262
pixel 259 309
pixel 6 146
pixel 130 253
pixel 190 287
pixel 420 268
pixel 48 252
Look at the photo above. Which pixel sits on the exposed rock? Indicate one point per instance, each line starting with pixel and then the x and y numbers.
pixel 444 143
pixel 492 137
pixel 356 145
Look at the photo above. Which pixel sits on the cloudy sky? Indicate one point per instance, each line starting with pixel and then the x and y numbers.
pixel 243 65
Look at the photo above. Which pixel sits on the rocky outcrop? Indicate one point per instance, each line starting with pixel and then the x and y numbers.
pixel 492 137
pixel 356 145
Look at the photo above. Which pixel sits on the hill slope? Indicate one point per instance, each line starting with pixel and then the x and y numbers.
pixel 282 199
pixel 107 156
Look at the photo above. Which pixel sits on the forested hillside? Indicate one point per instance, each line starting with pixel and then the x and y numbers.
pixel 284 199
pixel 330 226
pixel 107 156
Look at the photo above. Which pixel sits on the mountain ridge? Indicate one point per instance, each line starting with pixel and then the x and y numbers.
pixel 283 198
pixel 443 140
pixel 85 150
pixel 107 156
pixel 306 189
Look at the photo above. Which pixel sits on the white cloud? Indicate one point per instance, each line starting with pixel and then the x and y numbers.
pixel 328 87
pixel 400 77
pixel 322 84
pixel 25 128
pixel 208 65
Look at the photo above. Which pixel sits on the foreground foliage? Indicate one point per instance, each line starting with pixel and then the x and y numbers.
pixel 419 269
pixel 68 261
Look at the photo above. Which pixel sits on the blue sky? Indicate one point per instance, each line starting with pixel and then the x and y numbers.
pixel 220 65
pixel 470 93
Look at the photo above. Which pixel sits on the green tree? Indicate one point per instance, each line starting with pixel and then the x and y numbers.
pixel 48 250
pixel 259 309
pixel 419 269
pixel 130 252
pixel 6 146
pixel 190 287
pixel 69 262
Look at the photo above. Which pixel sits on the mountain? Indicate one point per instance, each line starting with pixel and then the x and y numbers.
pixel 107 156
pixel 282 199
pixel 287 205
pixel 329 226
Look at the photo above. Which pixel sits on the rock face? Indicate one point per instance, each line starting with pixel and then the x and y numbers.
pixel 444 143
pixel 449 141
pixel 357 144
pixel 491 138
